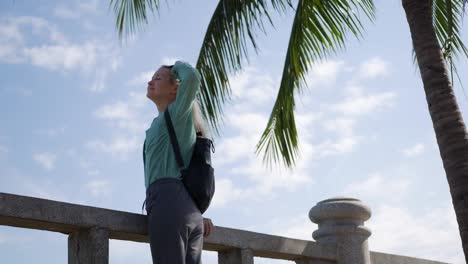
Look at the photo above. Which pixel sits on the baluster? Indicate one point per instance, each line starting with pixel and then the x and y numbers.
pixel 89 246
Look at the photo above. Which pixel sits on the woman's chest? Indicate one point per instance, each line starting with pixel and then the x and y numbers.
pixel 155 135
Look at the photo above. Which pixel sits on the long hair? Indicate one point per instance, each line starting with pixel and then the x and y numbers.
pixel 197 115
pixel 199 121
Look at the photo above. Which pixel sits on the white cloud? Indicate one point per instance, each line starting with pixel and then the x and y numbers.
pixel 66 57
pixel 99 188
pixel 298 227
pixel 8 54
pixel 3 150
pixel 374 67
pixel 51 132
pixel 46 188
pixel 341 125
pixel 129 118
pixel 13 29
pixel 13 32
pixel 325 73
pixel 239 159
pixel 76 10
pixel 308 118
pixel 65 12
pixel 234 149
pixel 247 128
pixel 278 179
pixel 142 78
pixel 128 114
pixel 360 105
pixel 41 26
pixel 226 192
pixel 99 82
pixel 241 152
pixel 45 159
pixel 118 110
pixel 94 59
pixel 261 186
pixel 371 188
pixel 397 230
pixel 93 172
pixel 10 32
pixel 248 123
pixel 337 146
pixel 414 150
pixel 118 146
pixel 254 87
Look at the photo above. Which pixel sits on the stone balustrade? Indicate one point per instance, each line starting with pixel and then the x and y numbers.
pixel 341 236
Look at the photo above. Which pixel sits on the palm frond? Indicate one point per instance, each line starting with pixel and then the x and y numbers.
pixel 447 17
pixel 319 29
pixel 224 49
pixel 132 14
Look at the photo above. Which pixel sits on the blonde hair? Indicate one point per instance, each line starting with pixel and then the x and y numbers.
pixel 197 115
pixel 199 120
pixel 172 76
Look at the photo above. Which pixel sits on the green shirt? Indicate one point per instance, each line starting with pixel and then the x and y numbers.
pixel 158 156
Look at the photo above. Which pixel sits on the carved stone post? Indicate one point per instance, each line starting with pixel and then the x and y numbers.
pixel 341 223
pixel 236 256
pixel 89 246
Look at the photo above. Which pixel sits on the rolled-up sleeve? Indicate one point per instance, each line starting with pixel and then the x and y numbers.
pixel 189 85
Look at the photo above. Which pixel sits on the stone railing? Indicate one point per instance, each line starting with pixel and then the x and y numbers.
pixel 341 236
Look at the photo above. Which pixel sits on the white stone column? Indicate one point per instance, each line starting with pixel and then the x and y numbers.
pixel 341 223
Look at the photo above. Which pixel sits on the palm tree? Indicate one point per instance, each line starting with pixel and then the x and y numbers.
pixel 446 116
pixel 320 29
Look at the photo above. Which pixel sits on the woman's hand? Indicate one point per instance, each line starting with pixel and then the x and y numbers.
pixel 208 227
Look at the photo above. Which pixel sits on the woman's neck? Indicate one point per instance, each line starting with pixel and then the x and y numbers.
pixel 161 107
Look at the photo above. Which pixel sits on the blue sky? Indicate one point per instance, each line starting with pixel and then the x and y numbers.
pixel 74 112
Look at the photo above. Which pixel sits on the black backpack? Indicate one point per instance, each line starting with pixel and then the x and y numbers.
pixel 198 177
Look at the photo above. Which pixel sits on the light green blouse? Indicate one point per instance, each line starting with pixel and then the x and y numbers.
pixel 158 157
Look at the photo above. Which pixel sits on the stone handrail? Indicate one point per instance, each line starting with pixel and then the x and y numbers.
pixel 90 228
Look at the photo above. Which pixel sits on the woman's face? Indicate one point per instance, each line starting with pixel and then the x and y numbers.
pixel 162 87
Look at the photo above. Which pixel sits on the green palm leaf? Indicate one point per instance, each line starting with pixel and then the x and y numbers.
pixel 319 29
pixel 447 16
pixel 224 49
pixel 131 14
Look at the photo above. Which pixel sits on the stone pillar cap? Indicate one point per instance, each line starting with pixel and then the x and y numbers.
pixel 339 208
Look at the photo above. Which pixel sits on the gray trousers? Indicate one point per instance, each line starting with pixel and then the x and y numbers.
pixel 175 225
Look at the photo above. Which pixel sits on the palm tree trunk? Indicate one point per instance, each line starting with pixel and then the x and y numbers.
pixel 446 116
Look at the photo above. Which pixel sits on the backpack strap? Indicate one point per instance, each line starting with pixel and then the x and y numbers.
pixel 144 155
pixel 173 137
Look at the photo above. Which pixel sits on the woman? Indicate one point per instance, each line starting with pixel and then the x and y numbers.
pixel 175 225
